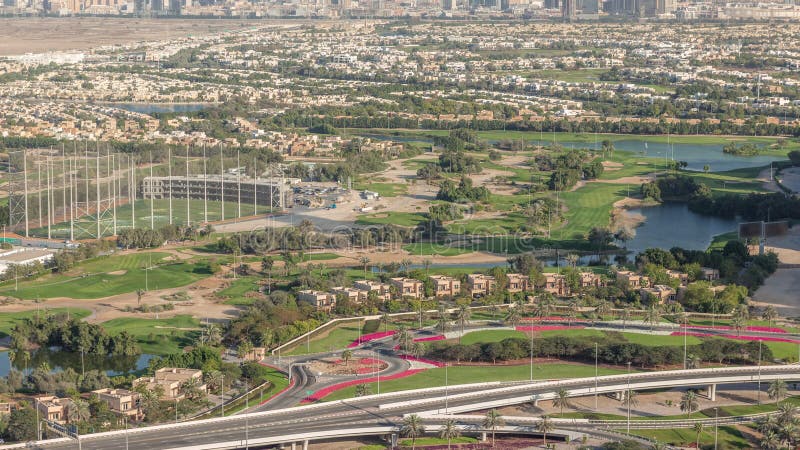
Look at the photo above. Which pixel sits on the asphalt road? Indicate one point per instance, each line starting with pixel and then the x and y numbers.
pixel 362 412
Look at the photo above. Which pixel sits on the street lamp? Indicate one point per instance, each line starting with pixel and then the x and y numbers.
pixel 628 398
pixel 125 419
pixel 595 375
pixel 531 354
pixel 716 426
pixel 759 372
pixel 445 386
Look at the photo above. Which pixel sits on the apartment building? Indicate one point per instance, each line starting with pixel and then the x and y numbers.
pixel 444 286
pixel 479 284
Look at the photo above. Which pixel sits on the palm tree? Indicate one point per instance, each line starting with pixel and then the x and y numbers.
pixel 426 263
pixel 418 349
pixel 78 411
pixel 413 428
pixel 629 398
pixel 403 337
pixel 363 390
pixel 777 391
pixel 442 321
pixel 769 314
pixel 364 262
pixel 245 349
pixel 698 430
pixel 786 414
pixel 653 316
pixel 689 403
pixel 139 295
pixel 603 308
pixel 492 420
pixel 572 312
pixel 449 431
pixel 770 440
pixel 406 263
pixel 462 318
pixel 625 315
pixel 545 426
pixel 385 319
pixel 513 317
pixel 347 355
pixel 693 362
pixel 572 259
pixel 738 324
pixel 561 400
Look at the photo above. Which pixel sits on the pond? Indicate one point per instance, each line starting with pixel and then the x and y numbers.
pixel 696 155
pixel 674 225
pixel 150 108
pixel 58 361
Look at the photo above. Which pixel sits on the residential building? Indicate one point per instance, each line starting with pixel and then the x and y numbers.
pixel 518 283
pixel 171 380
pixel 120 401
pixel 479 284
pixel 382 289
pixel 680 276
pixel 324 301
pixel 591 279
pixel 444 286
pixel 351 293
pixel 408 287
pixel 710 274
pixel 52 408
pixel 661 293
pixel 556 284
pixel 633 280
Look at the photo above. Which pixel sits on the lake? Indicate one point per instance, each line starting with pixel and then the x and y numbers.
pixel 674 225
pixel 58 361
pixel 151 108
pixel 696 155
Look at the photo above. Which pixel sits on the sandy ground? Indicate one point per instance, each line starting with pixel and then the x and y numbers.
pixel 768 183
pixel 622 217
pixel 35 34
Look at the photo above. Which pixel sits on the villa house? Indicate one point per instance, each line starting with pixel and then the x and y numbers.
pixel 444 286
pixel 323 301
pixel 408 287
pixel 518 283
pixel 479 284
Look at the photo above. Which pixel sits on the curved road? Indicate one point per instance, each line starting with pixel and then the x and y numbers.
pixel 388 409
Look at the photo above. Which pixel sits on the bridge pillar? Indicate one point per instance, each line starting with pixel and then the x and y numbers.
pixel 619 395
pixel 393 439
pixel 305 444
pixel 483 437
pixel 294 445
pixel 712 392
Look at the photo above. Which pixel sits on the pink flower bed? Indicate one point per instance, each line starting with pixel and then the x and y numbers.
pixel 740 338
pixel 430 338
pixel 550 319
pixel 371 337
pixel 726 327
pixel 322 393
pixel 548 327
pixel 422 360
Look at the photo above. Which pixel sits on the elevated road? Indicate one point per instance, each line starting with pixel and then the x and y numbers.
pixel 340 418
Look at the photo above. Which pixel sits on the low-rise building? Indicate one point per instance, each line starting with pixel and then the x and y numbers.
pixel 658 294
pixel 710 274
pixel 52 408
pixel 171 380
pixel 383 290
pixel 479 284
pixel 591 279
pixel 518 283
pixel 408 287
pixel 556 284
pixel 632 279
pixel 324 301
pixel 120 401
pixel 350 293
pixel 444 286
pixel 683 278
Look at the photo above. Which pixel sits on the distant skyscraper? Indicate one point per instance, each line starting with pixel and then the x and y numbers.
pixel 568 9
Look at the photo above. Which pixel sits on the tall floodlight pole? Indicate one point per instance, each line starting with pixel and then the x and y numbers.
pixel 132 191
pixel 255 187
pixel 205 187
pixel 222 184
pixel 63 181
pixel 152 220
pixel 25 187
pixel 49 196
pixel 238 183
pixel 39 190
pixel 71 202
pixel 188 209
pixel 97 188
pixel 169 182
pixel 112 190
pixel 86 177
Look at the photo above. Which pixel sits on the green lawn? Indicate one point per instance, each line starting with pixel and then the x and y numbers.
pixel 729 437
pixel 111 281
pixel 384 189
pixel 475 374
pixel 587 207
pixel 157 336
pixel 236 290
pixel 653 340
pixel 486 336
pixel 337 339
pixel 8 320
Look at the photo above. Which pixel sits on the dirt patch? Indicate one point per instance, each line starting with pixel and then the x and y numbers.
pixel 118 272
pixel 612 165
pixel 356 366
pixel 621 217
